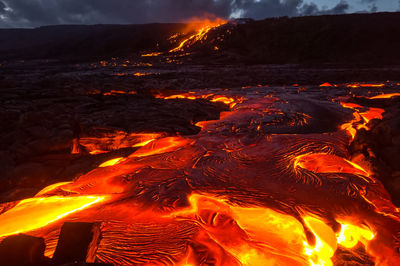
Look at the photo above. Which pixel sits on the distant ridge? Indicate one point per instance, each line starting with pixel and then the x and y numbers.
pixel 352 38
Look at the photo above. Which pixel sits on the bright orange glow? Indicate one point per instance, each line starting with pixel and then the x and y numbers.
pixel 227 100
pixel 94 152
pixel 226 197
pixel 372 113
pixel 114 92
pixel 385 96
pixel 350 235
pixel 51 188
pixel 35 213
pixel 350 129
pixel 138 74
pixel 180 96
pixel 361 119
pixel 325 246
pixel 117 140
pixel 143 143
pixel 112 162
pixel 75 147
pixel 151 54
pixel 161 146
pixel 277 240
pixel 328 163
pixel 202 27
pixel 210 97
pixel 351 105
pixel 326 84
pixel 366 85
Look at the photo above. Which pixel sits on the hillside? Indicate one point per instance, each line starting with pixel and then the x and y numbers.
pixel 355 38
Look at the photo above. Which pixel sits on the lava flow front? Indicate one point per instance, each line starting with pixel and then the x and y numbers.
pixel 269 183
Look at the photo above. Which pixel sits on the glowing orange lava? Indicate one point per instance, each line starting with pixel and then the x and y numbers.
pixel 385 96
pixel 210 97
pixel 231 199
pixel 162 146
pixel 261 236
pixel 326 84
pixel 328 163
pixel 111 162
pixel 361 118
pixel 117 140
pixel 201 27
pixel 366 85
pixel 34 213
pixel 51 188
pixel 151 54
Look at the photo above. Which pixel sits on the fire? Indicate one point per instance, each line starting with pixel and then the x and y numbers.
pixel 34 213
pixel 202 27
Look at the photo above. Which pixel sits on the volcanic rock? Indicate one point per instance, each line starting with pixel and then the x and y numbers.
pixel 380 147
pixel 24 250
pixel 77 243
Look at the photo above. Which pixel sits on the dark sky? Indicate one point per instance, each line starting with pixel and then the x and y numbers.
pixel 34 13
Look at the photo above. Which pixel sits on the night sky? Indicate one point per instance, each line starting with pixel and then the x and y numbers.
pixel 34 13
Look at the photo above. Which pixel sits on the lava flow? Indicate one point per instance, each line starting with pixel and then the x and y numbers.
pixel 250 189
pixel 201 29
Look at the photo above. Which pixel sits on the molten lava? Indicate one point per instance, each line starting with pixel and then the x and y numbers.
pixel 328 163
pixel 385 96
pixel 201 29
pixel 361 118
pixel 35 213
pixel 230 195
pixel 114 140
pixel 111 162
pixel 231 101
pixel 366 85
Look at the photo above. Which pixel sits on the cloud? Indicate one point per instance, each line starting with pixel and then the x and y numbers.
pixel 267 8
pixel 312 9
pixel 2 7
pixel 33 13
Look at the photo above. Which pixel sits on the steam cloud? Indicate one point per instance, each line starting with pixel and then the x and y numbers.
pixel 33 13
